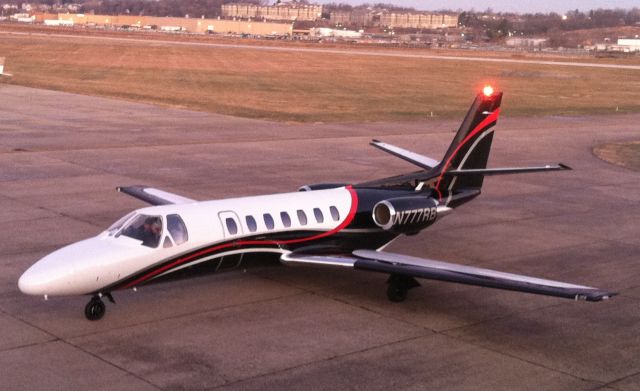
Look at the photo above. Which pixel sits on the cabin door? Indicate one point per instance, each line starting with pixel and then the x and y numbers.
pixel 232 228
pixel 230 224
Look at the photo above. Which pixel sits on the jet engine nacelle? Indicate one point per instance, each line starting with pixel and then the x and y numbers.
pixel 321 186
pixel 407 215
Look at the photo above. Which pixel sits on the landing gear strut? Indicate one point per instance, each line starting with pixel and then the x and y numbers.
pixel 399 286
pixel 95 308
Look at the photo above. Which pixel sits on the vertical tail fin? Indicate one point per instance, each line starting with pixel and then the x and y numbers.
pixel 471 146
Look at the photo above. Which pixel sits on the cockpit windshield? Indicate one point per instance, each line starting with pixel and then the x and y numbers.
pixel 115 227
pixel 145 228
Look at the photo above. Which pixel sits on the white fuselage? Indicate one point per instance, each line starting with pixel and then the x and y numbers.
pixel 213 229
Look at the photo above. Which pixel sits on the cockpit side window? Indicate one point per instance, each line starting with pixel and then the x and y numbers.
pixel 177 229
pixel 147 229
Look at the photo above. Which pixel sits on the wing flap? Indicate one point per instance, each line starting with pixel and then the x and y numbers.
pixel 414 158
pixel 431 269
pixel 154 196
pixel 318 259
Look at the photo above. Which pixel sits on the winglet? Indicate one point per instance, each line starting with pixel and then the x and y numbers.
pixel 596 296
pixel 564 166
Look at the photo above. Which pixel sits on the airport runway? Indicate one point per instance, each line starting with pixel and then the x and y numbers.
pixel 271 327
pixel 374 53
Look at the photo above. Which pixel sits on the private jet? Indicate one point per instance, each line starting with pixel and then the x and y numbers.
pixel 328 224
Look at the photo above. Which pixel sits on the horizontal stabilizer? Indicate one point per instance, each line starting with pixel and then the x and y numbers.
pixel 508 170
pixel 414 158
pixel 426 268
pixel 154 196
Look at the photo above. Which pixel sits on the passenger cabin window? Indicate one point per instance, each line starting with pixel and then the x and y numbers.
pixel 334 213
pixel 232 227
pixel 147 229
pixel 286 220
pixel 251 224
pixel 177 229
pixel 268 221
pixel 302 217
pixel 318 213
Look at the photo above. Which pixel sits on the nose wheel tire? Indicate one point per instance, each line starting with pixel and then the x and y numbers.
pixel 95 309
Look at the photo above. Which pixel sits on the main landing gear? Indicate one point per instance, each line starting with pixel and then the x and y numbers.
pixel 95 308
pixel 399 286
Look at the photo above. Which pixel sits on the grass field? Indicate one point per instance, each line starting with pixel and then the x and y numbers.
pixel 301 86
pixel 623 154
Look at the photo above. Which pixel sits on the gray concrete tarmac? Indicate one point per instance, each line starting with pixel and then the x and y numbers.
pixel 272 327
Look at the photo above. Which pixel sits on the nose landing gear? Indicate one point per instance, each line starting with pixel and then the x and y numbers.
pixel 95 308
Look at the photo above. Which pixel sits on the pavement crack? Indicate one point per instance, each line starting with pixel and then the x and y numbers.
pixel 315 362
pixel 121 368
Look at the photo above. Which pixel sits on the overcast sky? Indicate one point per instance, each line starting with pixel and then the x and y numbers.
pixel 558 6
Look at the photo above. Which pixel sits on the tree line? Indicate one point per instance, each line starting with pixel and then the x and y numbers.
pixel 496 25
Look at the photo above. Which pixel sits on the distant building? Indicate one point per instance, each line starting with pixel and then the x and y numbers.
pixel 630 44
pixel 420 20
pixel 381 17
pixel 327 32
pixel 58 22
pixel 168 24
pixel 22 18
pixel 360 17
pixel 526 42
pixel 280 11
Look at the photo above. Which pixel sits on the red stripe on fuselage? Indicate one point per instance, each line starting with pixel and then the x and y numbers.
pixel 179 261
pixel 484 123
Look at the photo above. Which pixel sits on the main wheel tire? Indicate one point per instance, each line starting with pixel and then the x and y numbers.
pixel 95 309
pixel 396 293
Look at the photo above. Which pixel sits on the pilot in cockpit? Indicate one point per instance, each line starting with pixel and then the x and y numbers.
pixel 151 230
pixel 148 232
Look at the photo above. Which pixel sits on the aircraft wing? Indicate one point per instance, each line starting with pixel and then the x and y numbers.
pixel 392 263
pixel 154 196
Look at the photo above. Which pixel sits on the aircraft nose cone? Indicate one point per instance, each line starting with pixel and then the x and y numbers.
pixel 30 283
pixel 49 276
